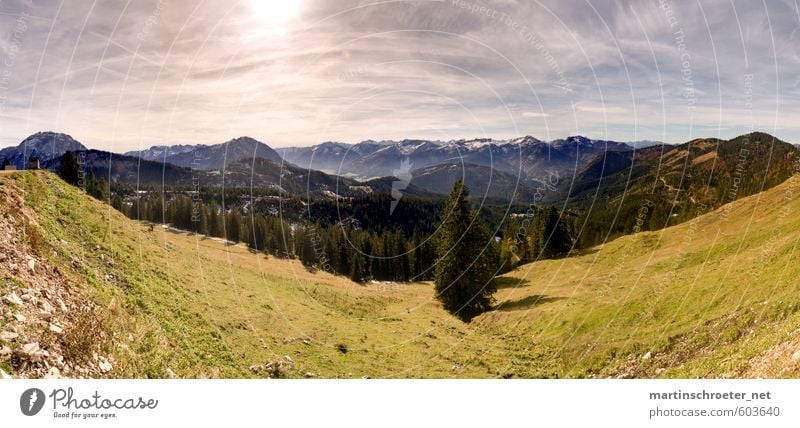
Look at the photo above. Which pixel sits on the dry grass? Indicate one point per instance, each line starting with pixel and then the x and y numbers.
pixel 704 298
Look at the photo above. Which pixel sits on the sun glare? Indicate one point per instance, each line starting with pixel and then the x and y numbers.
pixel 275 13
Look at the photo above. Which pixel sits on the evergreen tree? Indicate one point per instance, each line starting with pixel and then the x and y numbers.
pixel 366 249
pixel 400 264
pixel 102 190
pixel 116 203
pixel 304 245
pixel 343 262
pixel 466 258
pixel 549 235
pixel 214 225
pixel 357 269
pixel 202 221
pixel 98 188
pixel 71 170
pixel 233 230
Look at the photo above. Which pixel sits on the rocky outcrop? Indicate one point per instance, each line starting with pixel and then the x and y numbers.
pixel 43 328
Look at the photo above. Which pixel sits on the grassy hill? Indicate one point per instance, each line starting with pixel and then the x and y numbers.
pixel 682 181
pixel 716 296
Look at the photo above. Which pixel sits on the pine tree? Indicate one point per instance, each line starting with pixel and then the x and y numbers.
pixel 466 258
pixel 549 235
pixel 304 245
pixel 90 183
pixel 202 222
pixel 366 249
pixel 214 226
pixel 232 231
pixel 71 170
pixel 343 262
pixel 357 269
pixel 102 190
pixel 116 202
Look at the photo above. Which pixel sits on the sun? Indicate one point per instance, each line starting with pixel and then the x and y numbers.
pixel 275 13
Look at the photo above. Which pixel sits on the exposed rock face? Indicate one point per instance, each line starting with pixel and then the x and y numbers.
pixel 40 309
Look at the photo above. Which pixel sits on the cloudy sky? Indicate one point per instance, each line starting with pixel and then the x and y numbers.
pixel 125 74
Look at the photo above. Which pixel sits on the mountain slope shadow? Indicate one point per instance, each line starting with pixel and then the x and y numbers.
pixel 527 302
pixel 503 282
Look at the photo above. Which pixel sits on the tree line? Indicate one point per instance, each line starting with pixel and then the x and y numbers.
pixel 449 242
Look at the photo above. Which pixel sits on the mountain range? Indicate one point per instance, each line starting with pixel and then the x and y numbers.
pixel 209 157
pixel 259 173
pixel 493 168
pixel 43 145
pixel 527 157
pixel 578 171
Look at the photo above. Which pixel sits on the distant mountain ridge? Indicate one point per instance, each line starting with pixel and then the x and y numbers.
pixel 218 155
pixel 500 170
pixel 260 173
pixel 527 155
pixel 161 153
pixel 43 145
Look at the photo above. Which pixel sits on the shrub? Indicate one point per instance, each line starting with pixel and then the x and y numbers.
pixel 84 337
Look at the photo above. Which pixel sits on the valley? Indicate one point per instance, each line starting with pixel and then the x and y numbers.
pixel 670 303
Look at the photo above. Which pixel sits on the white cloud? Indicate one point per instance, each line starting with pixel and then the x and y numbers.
pixel 121 75
pixel 534 114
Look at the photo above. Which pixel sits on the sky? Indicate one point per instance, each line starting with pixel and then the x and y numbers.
pixel 123 75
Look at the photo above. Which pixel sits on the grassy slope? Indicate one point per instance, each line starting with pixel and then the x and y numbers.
pixel 705 298
pixel 200 308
